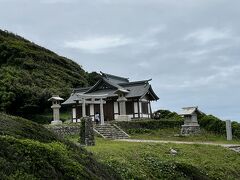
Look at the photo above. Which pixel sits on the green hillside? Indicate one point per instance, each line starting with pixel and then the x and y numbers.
pixel 29 151
pixel 30 74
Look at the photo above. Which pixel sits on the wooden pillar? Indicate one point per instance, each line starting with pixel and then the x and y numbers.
pixel 116 109
pixel 148 104
pixel 138 109
pixel 101 112
pixel 91 109
pixel 83 107
pixel 150 109
pixel 135 108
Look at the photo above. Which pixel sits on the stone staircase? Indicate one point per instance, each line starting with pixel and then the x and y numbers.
pixel 110 131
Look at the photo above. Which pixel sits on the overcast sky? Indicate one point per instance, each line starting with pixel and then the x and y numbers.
pixel 190 48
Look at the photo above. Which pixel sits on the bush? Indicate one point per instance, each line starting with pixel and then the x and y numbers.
pixel 138 131
pixel 166 114
pixel 215 125
pixel 142 126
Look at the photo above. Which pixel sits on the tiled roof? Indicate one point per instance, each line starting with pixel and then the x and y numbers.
pixel 189 110
pixel 71 99
pixel 134 89
pixel 115 79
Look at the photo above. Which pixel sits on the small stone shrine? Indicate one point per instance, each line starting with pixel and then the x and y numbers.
pixel 191 125
pixel 87 132
pixel 56 106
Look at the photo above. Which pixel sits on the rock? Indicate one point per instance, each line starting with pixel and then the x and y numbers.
pixel 235 148
pixel 173 152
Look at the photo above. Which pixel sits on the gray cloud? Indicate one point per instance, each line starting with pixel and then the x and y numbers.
pixel 99 44
pixel 189 48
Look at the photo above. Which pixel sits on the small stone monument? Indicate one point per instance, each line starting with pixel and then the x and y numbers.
pixel 56 106
pixel 229 130
pixel 87 132
pixel 122 105
pixel 191 125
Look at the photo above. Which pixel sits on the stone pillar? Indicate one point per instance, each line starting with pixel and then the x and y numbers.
pixel 56 113
pixel 74 114
pixel 101 112
pixel 87 132
pixel 229 130
pixel 83 107
pixel 56 119
pixel 122 105
pixel 122 108
pixel 55 107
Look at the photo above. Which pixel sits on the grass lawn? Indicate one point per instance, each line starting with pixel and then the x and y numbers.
pixel 133 160
pixel 173 134
pixel 153 160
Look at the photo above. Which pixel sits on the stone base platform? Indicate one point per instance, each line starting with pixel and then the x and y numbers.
pixel 123 118
pixel 56 122
pixel 190 129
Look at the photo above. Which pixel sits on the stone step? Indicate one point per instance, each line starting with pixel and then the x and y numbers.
pixel 110 131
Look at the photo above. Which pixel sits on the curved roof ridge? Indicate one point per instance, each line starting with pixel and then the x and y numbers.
pixel 113 84
pixel 81 89
pixel 106 81
pixel 135 82
pixel 106 75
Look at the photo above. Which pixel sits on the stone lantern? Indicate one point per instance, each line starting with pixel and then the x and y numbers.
pixel 56 105
pixel 122 105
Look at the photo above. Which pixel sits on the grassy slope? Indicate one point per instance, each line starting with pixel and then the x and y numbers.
pixel 29 151
pixel 153 161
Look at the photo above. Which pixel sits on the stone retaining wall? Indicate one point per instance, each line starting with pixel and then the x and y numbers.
pixel 65 130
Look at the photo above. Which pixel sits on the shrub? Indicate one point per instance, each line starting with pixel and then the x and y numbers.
pixel 147 125
pixel 138 131
pixel 166 114
pixel 215 125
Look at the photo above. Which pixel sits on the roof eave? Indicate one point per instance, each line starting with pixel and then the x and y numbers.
pixel 151 92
